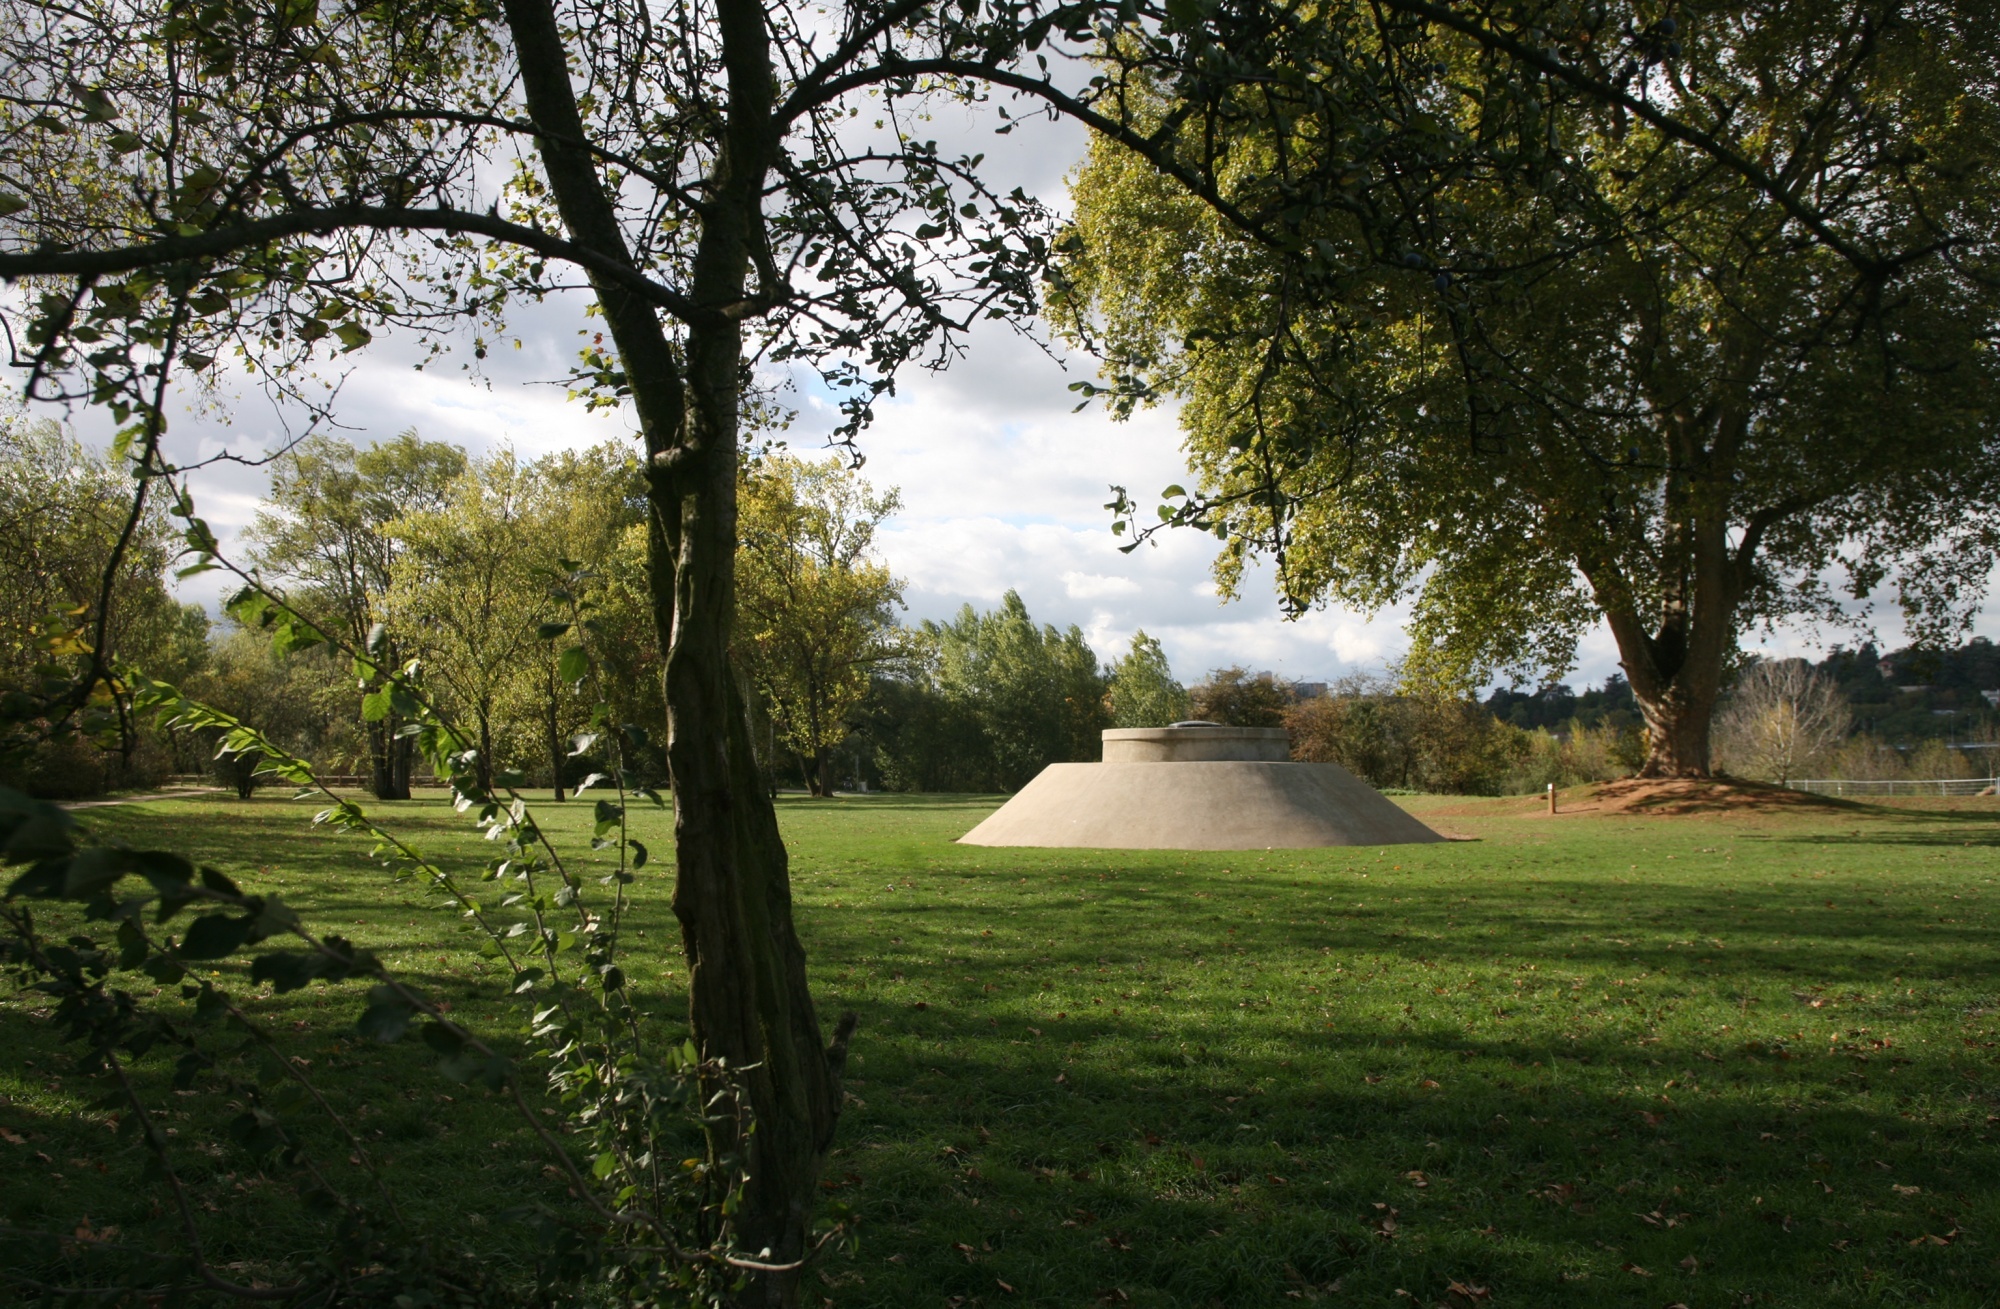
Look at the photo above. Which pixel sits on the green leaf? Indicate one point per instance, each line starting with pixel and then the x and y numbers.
pixel 385 1020
pixel 11 204
pixel 96 106
pixel 91 871
pixel 352 336
pixel 214 936
pixel 443 1039
pixel 604 1165
pixel 573 665
pixel 638 850
pixel 217 883
pixel 550 631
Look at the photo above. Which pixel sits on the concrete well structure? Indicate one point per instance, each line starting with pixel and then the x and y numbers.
pixel 1198 786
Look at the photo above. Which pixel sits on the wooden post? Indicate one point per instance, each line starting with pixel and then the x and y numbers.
pixel 1552 797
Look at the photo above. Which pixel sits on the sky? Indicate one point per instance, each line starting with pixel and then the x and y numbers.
pixel 1002 483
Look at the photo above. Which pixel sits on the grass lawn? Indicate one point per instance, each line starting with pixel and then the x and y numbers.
pixel 1738 1058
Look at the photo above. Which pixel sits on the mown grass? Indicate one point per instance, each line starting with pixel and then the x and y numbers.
pixel 1721 1059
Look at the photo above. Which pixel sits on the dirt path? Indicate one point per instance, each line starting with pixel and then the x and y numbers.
pixel 182 794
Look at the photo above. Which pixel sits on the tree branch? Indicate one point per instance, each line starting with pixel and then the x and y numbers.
pixel 256 232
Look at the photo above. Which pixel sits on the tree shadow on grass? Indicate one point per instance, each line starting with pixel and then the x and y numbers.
pixel 1027 1120
pixel 453 1155
pixel 1195 1174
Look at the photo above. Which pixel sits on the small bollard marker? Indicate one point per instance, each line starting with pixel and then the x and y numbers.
pixel 1552 797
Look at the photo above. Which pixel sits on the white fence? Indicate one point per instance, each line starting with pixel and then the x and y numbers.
pixel 1901 786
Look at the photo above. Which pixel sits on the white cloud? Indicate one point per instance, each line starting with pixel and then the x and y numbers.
pixel 1080 585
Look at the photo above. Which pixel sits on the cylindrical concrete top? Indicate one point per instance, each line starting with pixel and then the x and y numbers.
pixel 1195 744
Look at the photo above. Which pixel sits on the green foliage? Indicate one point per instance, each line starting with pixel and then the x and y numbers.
pixel 815 611
pixel 1617 370
pixel 325 533
pixel 304 702
pixel 1037 693
pixel 1143 690
pixel 69 596
pixel 1409 741
pixel 1239 698
pixel 921 739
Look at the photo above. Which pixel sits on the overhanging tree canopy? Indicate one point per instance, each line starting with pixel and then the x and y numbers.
pixel 1673 335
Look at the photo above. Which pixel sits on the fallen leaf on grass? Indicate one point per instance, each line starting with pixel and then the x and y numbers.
pixel 1692 1264
pixel 1928 1239
pixel 1417 1179
pixel 1427 1084
pixel 1003 1286
pixel 1906 1190
pixel 1370 1078
pixel 1465 1293
pixel 11 1137
pixel 1635 1270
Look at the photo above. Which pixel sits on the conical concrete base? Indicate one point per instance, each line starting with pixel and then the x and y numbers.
pixel 1233 804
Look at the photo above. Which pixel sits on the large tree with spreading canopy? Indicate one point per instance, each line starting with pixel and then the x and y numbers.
pixel 1688 331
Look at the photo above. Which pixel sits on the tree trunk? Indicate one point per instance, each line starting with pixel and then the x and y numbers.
pixel 1675 670
pixel 747 986
pixel 381 765
pixel 402 758
pixel 555 748
pixel 822 772
pixel 483 767
pixel 747 996
pixel 389 760
pixel 1677 727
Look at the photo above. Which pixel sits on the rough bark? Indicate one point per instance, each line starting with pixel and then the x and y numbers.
pixel 483 768
pixel 402 761
pixel 381 766
pixel 748 1000
pixel 555 747
pixel 1675 665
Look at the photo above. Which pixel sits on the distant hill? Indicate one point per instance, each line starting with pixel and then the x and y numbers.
pixel 1904 697
pixel 1915 695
